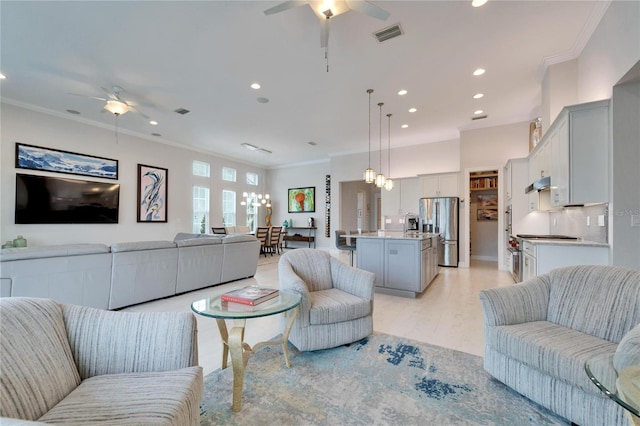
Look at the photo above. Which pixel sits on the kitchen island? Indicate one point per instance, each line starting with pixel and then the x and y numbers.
pixel 404 263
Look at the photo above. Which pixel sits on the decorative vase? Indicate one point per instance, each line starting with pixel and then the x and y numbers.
pixel 290 222
pixel 285 224
pixel 20 241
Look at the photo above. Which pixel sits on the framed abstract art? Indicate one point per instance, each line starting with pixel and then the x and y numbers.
pixel 152 193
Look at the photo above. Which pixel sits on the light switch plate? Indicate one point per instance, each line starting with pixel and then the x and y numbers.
pixel 601 220
pixel 588 220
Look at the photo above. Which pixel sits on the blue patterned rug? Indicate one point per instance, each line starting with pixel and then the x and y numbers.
pixel 381 380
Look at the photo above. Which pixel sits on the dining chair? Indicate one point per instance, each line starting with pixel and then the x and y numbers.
pixel 274 238
pixel 283 233
pixel 262 234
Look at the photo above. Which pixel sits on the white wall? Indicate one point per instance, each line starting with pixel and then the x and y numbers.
pixel 280 180
pixel 614 47
pixel 35 128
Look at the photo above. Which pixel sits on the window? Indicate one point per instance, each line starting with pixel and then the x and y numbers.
pixel 200 210
pixel 252 211
pixel 201 169
pixel 252 179
pixel 228 174
pixel 228 208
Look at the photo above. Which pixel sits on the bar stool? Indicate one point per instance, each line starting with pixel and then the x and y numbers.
pixel 341 244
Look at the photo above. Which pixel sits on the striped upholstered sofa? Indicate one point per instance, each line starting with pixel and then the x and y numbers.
pixel 540 333
pixel 74 365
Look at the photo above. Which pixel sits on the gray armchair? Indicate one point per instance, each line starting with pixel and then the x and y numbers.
pixel 540 333
pixel 73 365
pixel 337 299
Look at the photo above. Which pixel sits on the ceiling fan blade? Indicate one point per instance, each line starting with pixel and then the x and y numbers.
pixel 324 33
pixel 368 9
pixel 284 6
pixel 137 111
pixel 86 96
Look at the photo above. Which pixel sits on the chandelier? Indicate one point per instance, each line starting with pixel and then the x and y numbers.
pixel 380 179
pixel 369 173
pixel 256 200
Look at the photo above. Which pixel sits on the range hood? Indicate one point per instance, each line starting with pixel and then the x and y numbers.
pixel 539 185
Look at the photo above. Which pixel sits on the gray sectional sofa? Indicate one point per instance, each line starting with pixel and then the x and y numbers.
pixel 99 276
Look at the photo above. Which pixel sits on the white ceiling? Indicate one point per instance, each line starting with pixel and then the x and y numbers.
pixel 203 55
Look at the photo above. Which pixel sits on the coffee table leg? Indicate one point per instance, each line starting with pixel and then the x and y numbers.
pixel 224 335
pixel 285 335
pixel 238 362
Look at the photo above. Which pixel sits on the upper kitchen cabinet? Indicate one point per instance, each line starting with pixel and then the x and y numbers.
pixel 579 155
pixel 439 185
pixel 402 199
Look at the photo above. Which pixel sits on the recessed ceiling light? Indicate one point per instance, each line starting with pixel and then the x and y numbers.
pixel 478 95
pixel 255 86
pixel 478 112
pixel 413 109
pixel 478 72
pixel 73 111
pixel 478 3
pixel 402 92
pixel 2 76
pixel 153 123
pixel 404 126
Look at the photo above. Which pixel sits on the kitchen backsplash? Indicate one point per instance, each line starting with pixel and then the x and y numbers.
pixel 581 222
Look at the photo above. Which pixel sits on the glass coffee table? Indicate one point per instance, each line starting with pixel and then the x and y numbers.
pixel 617 375
pixel 233 342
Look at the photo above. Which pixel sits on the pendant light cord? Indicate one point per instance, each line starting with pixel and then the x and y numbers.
pixel 380 105
pixel 389 153
pixel 370 91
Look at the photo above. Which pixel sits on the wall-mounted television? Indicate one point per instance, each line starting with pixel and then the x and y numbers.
pixel 49 200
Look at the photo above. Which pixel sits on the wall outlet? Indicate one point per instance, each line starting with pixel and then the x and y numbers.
pixel 601 220
pixel 588 220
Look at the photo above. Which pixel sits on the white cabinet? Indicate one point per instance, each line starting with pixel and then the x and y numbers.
pixel 409 196
pixel 402 199
pixel 580 165
pixel 540 258
pixel 439 185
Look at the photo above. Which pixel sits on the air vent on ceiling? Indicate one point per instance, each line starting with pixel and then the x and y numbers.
pixel 480 117
pixel 182 111
pixel 388 33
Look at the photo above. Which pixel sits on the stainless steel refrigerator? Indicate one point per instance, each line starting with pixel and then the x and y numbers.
pixel 439 215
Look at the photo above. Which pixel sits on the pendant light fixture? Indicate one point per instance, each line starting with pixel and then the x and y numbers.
pixel 369 174
pixel 380 179
pixel 388 184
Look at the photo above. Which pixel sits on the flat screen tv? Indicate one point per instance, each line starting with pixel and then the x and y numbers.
pixel 45 199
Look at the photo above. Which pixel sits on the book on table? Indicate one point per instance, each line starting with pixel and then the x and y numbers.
pixel 250 295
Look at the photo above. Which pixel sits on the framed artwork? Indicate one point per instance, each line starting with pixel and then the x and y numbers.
pixel 55 160
pixel 302 200
pixel 487 214
pixel 490 200
pixel 152 193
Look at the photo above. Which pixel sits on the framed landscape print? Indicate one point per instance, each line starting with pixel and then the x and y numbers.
pixel 487 214
pixel 302 200
pixel 152 193
pixel 55 160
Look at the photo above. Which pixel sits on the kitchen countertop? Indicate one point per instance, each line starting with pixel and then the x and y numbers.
pixel 397 235
pixel 578 242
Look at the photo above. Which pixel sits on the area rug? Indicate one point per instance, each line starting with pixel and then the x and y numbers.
pixel 381 380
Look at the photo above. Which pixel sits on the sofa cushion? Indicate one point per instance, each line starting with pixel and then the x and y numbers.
pixel 158 398
pixel 198 242
pixel 602 302
pixel 333 305
pixel 39 252
pixel 558 351
pixel 238 238
pixel 37 365
pixel 142 245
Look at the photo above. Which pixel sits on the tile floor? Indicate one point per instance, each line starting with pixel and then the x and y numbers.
pixel 447 314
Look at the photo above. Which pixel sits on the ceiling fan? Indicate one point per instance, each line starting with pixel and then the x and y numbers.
pixel 327 9
pixel 115 104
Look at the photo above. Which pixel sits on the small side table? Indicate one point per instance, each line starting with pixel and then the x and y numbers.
pixel 286 302
pixel 617 375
